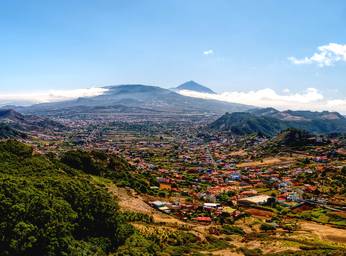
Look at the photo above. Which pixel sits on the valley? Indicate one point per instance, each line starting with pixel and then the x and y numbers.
pixel 173 128
pixel 192 184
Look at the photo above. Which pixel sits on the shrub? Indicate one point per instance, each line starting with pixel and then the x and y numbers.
pixel 232 230
pixel 267 227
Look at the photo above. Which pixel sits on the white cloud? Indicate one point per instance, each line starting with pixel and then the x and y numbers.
pixel 208 52
pixel 327 55
pixel 309 99
pixel 49 96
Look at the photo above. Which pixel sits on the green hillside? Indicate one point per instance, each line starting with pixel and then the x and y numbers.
pixel 49 208
pixel 7 132
pixel 270 122
pixel 243 123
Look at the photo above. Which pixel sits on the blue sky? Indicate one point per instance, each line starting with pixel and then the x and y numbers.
pixel 227 45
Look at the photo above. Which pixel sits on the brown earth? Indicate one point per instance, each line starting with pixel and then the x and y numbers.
pixel 325 232
pixel 267 161
pixel 226 252
pixel 259 212
pixel 129 200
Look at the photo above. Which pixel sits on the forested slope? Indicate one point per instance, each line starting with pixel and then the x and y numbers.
pixel 49 208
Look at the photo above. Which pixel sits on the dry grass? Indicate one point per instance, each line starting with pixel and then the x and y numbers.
pixel 265 162
pixel 259 213
pixel 274 242
pixel 130 201
pixel 325 232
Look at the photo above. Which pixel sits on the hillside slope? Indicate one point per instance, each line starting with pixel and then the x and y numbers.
pixel 243 123
pixel 26 123
pixel 54 205
pixel 8 132
pixel 270 122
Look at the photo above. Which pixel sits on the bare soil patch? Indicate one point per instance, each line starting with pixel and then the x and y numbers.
pixel 259 213
pixel 226 252
pixel 325 232
pixel 129 200
pixel 266 161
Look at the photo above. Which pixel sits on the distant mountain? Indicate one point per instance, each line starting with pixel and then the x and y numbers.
pixel 193 86
pixel 136 96
pixel 8 132
pixel 11 119
pixel 269 122
pixel 243 123
pixel 10 115
pixel 290 115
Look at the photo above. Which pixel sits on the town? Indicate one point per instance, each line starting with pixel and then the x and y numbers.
pixel 171 128
pixel 202 177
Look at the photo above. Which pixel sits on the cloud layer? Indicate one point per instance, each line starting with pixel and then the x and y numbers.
pixel 50 96
pixel 327 55
pixel 208 52
pixel 309 99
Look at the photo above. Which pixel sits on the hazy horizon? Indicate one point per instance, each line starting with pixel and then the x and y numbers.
pixel 250 52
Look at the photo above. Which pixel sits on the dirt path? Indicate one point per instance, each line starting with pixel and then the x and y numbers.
pixel 325 232
pixel 267 161
pixel 225 252
pixel 129 200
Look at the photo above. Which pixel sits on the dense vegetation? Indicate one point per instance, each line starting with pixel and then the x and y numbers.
pixel 269 122
pixel 49 208
pixel 297 138
pixel 111 167
pixel 7 132
pixel 243 123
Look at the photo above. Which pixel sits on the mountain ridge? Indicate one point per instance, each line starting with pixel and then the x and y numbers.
pixel 297 115
pixel 11 120
pixel 269 122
